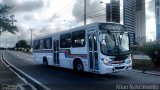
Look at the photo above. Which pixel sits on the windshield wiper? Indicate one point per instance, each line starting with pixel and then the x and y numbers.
pixel 110 34
pixel 117 43
pixel 114 38
pixel 122 33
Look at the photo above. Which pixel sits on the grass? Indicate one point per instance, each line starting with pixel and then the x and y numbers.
pixel 145 65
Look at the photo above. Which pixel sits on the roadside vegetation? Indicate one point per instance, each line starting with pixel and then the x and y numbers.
pixel 22 46
pixel 145 65
pixel 151 49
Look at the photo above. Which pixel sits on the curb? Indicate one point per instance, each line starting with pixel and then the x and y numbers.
pixel 34 82
pixel 146 72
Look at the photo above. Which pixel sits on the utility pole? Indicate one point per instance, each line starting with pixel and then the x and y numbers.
pixel 6 44
pixel 18 43
pixel 0 31
pixel 84 12
pixel 111 12
pixel 31 38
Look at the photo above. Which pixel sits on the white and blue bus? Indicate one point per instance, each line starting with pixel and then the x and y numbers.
pixel 98 47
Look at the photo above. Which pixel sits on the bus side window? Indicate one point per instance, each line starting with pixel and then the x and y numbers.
pixel 48 43
pixel 90 42
pixel 65 40
pixel 36 44
pixel 95 42
pixel 78 38
pixel 41 44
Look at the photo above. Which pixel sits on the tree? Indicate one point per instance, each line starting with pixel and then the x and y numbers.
pixel 6 20
pixel 152 49
pixel 21 44
pixel 139 41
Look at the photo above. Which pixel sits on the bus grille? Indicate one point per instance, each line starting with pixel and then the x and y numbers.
pixel 121 67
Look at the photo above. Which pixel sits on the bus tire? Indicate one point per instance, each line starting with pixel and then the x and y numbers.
pixel 45 62
pixel 78 66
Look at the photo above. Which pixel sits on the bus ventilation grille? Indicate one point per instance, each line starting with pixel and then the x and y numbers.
pixel 122 67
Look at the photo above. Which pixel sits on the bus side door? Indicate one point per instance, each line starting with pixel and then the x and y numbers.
pixel 92 50
pixel 56 52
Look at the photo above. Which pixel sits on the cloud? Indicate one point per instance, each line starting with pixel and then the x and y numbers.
pixel 9 40
pixel 151 9
pixel 28 17
pixel 25 6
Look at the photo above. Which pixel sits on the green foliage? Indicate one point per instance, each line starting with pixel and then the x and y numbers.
pixel 22 44
pixel 6 20
pixel 152 49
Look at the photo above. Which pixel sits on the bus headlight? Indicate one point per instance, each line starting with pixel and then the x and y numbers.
pixel 106 62
pixel 129 59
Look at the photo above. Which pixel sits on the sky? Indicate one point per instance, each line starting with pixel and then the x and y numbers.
pixel 150 20
pixel 48 16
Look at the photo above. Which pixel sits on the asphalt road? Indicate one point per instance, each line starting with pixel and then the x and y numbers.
pixel 65 79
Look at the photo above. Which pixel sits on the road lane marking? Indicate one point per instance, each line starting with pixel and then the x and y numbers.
pixel 28 76
pixel 25 58
pixel 22 57
pixel 24 80
pixel 30 59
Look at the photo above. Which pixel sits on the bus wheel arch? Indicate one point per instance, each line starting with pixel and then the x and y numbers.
pixel 45 61
pixel 78 65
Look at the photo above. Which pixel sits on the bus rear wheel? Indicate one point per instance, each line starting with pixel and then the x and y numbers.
pixel 45 62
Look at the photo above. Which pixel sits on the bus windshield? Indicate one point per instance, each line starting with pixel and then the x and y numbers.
pixel 114 42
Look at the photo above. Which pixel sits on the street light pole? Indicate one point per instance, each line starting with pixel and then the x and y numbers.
pixel 6 44
pixel 31 38
pixel 84 12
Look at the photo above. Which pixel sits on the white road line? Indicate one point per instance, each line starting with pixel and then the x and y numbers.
pixel 45 87
pixel 25 58
pixel 18 75
pixel 30 59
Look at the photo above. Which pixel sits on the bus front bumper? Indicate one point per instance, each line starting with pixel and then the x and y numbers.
pixel 115 68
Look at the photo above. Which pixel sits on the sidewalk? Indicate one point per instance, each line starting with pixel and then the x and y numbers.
pixel 140 57
pixel 143 62
pixel 9 80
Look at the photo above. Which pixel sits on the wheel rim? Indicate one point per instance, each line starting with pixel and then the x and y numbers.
pixel 79 67
pixel 45 63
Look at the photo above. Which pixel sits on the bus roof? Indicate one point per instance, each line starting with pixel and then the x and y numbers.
pixel 76 28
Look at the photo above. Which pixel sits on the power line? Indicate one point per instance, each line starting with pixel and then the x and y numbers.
pixel 98 15
pixel 62 9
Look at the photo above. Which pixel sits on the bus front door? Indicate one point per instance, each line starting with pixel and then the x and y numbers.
pixel 56 52
pixel 93 52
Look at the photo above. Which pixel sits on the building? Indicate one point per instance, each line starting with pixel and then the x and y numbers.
pixel 157 14
pixel 129 19
pixel 140 21
pixel 113 11
pixel 134 18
